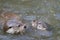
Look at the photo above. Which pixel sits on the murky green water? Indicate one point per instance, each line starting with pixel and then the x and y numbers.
pixel 46 10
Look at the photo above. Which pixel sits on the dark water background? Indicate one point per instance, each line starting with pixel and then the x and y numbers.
pixel 46 10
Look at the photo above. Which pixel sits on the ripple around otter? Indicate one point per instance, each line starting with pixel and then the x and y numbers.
pixel 57 16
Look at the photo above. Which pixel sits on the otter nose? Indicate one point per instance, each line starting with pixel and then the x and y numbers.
pixel 25 26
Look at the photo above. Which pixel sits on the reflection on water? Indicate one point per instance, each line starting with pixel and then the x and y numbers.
pixel 57 16
pixel 29 17
pixel 46 10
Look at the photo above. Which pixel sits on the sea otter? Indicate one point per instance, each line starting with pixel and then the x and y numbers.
pixel 11 23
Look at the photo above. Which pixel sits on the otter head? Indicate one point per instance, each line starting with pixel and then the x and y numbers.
pixel 14 26
pixel 39 24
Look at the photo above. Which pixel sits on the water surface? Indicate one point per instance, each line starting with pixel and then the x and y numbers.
pixel 45 10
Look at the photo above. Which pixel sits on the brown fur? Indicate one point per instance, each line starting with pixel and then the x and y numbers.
pixel 8 16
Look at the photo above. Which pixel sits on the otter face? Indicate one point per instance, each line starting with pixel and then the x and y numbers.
pixel 39 25
pixel 14 26
pixel 22 28
pixel 16 29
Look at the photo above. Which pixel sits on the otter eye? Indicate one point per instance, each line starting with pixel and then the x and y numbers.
pixel 10 27
pixel 24 26
pixel 19 25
